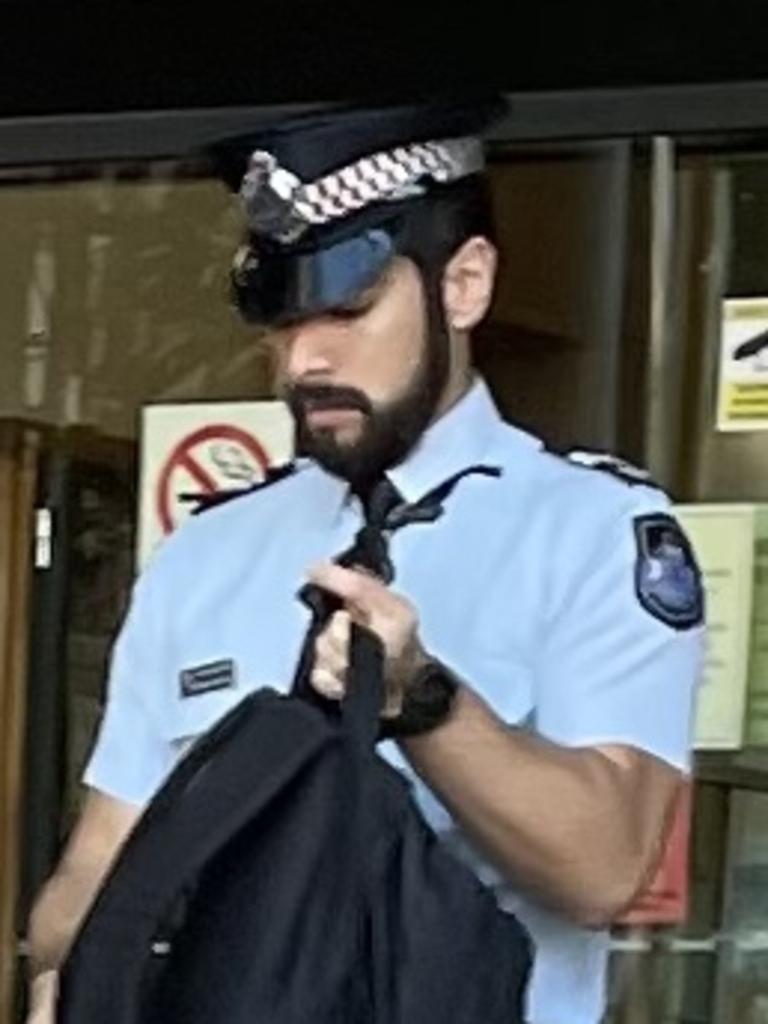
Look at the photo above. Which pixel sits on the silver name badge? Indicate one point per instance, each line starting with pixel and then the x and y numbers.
pixel 218 675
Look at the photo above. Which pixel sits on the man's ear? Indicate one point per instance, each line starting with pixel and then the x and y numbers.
pixel 468 283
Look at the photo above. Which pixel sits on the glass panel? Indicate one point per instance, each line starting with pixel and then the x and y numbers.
pixel 742 993
pixel 115 293
pixel 714 969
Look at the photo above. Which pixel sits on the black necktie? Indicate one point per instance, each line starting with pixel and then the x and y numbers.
pixel 370 548
pixel 385 511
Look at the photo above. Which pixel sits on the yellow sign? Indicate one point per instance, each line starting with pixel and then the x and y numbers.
pixel 743 398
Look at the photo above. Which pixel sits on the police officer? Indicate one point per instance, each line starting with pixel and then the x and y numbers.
pixel 542 637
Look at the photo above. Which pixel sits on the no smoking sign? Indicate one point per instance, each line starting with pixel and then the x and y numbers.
pixel 190 452
pixel 216 458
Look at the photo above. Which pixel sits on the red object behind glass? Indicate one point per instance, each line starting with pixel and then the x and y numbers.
pixel 665 901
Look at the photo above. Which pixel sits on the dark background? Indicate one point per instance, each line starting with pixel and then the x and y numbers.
pixel 96 58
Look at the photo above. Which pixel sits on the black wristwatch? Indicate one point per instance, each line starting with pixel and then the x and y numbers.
pixel 429 700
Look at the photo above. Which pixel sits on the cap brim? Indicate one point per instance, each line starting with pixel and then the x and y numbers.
pixel 284 287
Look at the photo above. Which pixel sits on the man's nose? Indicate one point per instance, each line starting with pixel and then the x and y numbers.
pixel 308 351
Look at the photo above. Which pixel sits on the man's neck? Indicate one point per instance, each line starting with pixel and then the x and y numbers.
pixel 453 394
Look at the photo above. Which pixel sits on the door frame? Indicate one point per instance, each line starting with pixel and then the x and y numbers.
pixel 19 448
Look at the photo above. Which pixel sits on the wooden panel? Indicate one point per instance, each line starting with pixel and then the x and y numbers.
pixel 18 462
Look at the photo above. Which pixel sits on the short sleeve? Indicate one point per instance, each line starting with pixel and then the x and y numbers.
pixel 131 758
pixel 622 655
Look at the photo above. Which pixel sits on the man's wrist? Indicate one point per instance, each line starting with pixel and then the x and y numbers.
pixel 428 700
pixel 43 978
pixel 43 988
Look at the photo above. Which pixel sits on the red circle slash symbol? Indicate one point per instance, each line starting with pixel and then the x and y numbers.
pixel 184 457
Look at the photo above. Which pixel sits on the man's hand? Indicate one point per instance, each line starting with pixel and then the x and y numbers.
pixel 43 993
pixel 367 602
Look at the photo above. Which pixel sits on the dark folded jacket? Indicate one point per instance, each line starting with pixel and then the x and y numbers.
pixel 284 875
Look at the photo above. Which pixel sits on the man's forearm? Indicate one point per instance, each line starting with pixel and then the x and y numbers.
pixel 66 898
pixel 560 822
pixel 57 916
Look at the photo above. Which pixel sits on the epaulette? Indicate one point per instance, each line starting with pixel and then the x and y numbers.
pixel 606 463
pixel 205 502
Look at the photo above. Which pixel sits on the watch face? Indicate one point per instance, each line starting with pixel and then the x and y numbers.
pixel 433 689
pixel 428 702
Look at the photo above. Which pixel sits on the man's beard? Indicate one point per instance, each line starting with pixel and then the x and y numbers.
pixel 389 432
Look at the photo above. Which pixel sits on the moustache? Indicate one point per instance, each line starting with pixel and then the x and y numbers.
pixel 308 397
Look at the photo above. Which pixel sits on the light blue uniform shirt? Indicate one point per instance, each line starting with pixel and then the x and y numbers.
pixel 526 587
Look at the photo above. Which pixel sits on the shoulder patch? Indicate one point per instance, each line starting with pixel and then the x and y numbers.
pixel 205 502
pixel 612 464
pixel 667 576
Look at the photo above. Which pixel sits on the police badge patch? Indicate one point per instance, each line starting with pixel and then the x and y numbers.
pixel 668 579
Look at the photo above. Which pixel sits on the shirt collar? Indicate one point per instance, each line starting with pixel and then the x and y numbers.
pixel 462 437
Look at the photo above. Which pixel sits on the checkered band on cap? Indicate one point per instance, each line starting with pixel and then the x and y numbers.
pixel 281 206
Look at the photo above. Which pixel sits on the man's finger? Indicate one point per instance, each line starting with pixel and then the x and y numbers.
pixel 356 589
pixel 332 650
pixel 328 658
pixel 327 684
pixel 338 633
